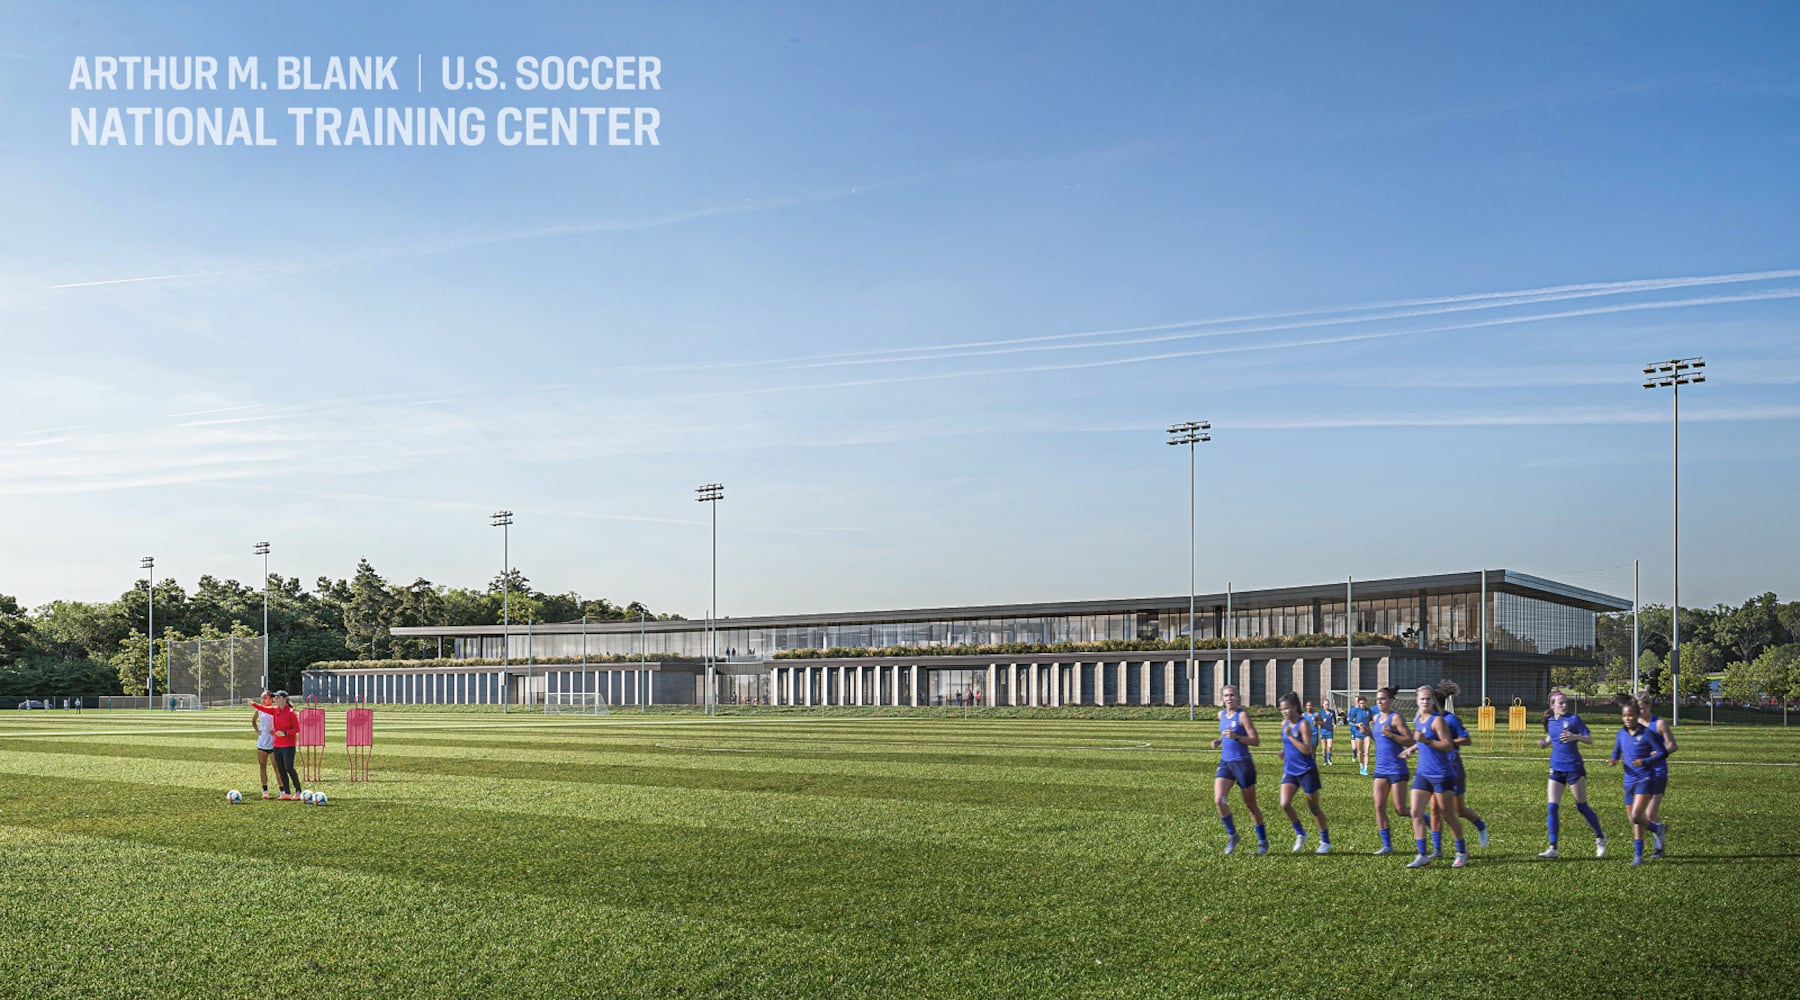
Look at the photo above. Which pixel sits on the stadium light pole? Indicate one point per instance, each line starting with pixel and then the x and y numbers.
pixel 148 564
pixel 502 519
pixel 1190 434
pixel 262 549
pixel 711 494
pixel 1673 374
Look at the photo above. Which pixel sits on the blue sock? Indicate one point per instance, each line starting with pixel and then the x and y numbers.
pixel 1230 827
pixel 1656 828
pixel 1638 845
pixel 1262 834
pixel 1421 842
pixel 1299 831
pixel 1461 848
pixel 1554 822
pixel 1437 841
pixel 1387 839
pixel 1593 818
pixel 1324 835
pixel 1480 825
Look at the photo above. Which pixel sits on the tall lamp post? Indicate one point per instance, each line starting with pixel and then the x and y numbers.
pixel 148 565
pixel 502 519
pixel 1673 374
pixel 262 549
pixel 711 494
pixel 1190 434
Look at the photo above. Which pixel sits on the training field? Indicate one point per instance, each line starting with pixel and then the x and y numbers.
pixel 792 855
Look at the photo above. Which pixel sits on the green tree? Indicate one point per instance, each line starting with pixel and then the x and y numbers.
pixel 1747 629
pixel 17 636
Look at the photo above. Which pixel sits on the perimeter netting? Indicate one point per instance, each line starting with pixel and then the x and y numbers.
pixel 576 703
pixel 215 672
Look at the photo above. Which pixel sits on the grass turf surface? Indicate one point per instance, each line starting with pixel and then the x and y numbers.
pixel 781 855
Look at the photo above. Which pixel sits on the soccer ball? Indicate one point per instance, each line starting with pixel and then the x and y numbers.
pixel 306 797
pixel 234 796
pixel 318 798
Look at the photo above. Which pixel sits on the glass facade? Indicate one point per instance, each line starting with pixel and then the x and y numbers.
pixel 1444 620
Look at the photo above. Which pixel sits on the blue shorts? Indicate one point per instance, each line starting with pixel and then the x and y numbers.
pixel 1446 786
pixel 1240 772
pixel 1326 734
pixel 1650 785
pixel 1400 777
pixel 1358 732
pixel 1308 782
pixel 1460 783
pixel 1569 777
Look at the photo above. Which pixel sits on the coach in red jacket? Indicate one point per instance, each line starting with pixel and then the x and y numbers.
pixel 287 734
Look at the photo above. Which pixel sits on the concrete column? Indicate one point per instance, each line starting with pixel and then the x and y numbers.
pixel 1012 683
pixel 1169 683
pixel 1031 691
pixel 1220 671
pixel 1325 678
pixel 1384 673
pixel 1297 678
pixel 1144 683
pixel 987 697
pixel 1056 685
pixel 1272 672
pixel 912 673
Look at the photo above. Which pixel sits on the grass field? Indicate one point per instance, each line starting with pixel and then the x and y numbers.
pixel 778 855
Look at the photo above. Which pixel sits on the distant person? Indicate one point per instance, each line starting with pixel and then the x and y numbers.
pixel 1325 723
pixel 1392 738
pixel 1360 717
pixel 287 735
pixel 1564 734
pixel 1237 734
pixel 1641 748
pixel 1300 772
pixel 264 724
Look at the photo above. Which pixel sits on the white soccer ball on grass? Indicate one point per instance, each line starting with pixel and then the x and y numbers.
pixel 234 797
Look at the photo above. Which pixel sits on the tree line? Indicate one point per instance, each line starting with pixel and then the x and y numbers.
pixel 92 649
pixel 1753 649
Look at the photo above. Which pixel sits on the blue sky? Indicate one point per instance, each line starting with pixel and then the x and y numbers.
pixel 922 287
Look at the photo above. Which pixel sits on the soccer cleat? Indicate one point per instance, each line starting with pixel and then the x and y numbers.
pixel 1385 849
pixel 1299 843
pixel 1658 842
pixel 1461 860
pixel 1230 845
pixel 1481 836
pixel 1324 847
pixel 266 795
pixel 1364 770
pixel 1436 854
pixel 1420 861
pixel 1638 860
pixel 1600 846
pixel 1552 854
pixel 1262 847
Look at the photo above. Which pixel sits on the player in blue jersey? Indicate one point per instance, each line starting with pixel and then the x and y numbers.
pixel 1391 738
pixel 1564 734
pixel 1300 771
pixel 1326 726
pixel 1662 728
pixel 1667 732
pixel 1361 720
pixel 1641 748
pixel 1434 786
pixel 1446 690
pixel 1237 734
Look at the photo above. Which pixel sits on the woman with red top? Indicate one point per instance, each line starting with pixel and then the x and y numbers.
pixel 287 734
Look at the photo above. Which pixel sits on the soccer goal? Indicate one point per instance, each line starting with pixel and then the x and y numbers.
pixel 576 703
pixel 181 702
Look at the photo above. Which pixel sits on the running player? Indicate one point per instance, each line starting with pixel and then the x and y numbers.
pixel 1391 738
pixel 1640 747
pixel 1434 787
pixel 1447 690
pixel 287 734
pixel 1300 772
pixel 1667 732
pixel 1360 719
pixel 1237 734
pixel 1564 734
pixel 1327 728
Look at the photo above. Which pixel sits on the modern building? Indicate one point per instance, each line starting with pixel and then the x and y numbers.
pixel 1498 631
